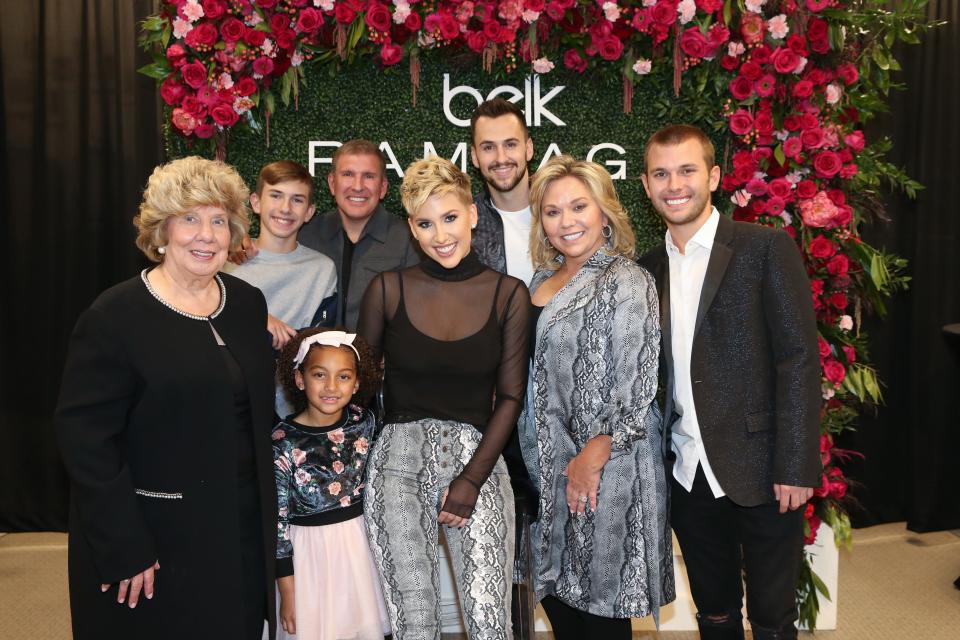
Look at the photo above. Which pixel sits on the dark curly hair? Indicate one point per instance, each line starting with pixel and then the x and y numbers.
pixel 368 370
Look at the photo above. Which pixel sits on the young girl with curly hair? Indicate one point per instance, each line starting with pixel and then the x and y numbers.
pixel 328 584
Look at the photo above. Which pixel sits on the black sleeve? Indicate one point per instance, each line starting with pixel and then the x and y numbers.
pixel 510 389
pixel 372 320
pixel 98 390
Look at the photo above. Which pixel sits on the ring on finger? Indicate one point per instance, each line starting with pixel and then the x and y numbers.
pixel 583 499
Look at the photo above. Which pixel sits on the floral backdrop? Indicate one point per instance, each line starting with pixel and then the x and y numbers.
pixel 788 84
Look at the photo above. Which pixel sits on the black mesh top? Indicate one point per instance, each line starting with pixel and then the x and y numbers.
pixel 455 345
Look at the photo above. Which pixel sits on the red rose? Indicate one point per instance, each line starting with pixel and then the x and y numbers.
pixel 741 122
pixel 837 197
pixel 827 164
pixel 756 187
pixel 709 6
pixel 848 73
pixel 806 189
pixel 344 13
pixel 741 88
pixel 224 115
pixel 826 440
pixel 378 17
pixel 791 123
pixel 191 105
pixel 213 9
pixel 792 147
pixel 232 30
pixel 743 174
pixel 751 70
pixel 834 371
pixel 817 5
pixel 775 206
pixel 279 22
pixel 533 5
pixel 812 138
pixel 695 44
pixel 821 248
pixel 849 353
pixel 286 38
pixel 573 60
pixel 413 22
pixel 475 40
pixel 848 171
pixel 266 4
pixel 172 91
pixel 838 489
pixel 729 182
pixel 310 20
pixel 751 28
pixel 204 130
pixel 785 60
pixel 843 216
pixel 718 34
pixel 809 121
pixel 202 35
pixel 729 62
pixel 449 27
pixel 610 48
pixel 175 53
pixel 491 29
pixel 761 54
pixel 817 29
pixel 781 188
pixel 391 54
pixel 838 265
pixel 254 38
pixel 664 12
pixel 838 300
pixel 763 123
pixel 798 45
pixel 855 141
pixel 765 85
pixel 556 11
pixel 759 206
pixel 245 86
pixel 194 74
pixel 744 158
pixel 262 66
pixel 802 89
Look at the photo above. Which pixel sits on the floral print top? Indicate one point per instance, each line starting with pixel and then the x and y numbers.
pixel 319 474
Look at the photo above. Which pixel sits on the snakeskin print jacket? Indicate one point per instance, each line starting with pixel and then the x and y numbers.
pixel 594 372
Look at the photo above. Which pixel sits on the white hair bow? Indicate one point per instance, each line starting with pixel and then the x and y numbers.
pixel 326 339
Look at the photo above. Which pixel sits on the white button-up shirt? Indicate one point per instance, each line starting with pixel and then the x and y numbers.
pixel 687 271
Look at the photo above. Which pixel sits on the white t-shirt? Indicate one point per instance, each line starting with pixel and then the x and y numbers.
pixel 516 242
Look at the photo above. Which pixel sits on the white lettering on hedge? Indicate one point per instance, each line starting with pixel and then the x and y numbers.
pixel 534 103
pixel 621 165
pixel 392 162
pixel 313 160
pixel 460 152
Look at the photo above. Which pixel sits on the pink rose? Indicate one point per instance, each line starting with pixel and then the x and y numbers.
pixel 763 123
pixel 279 434
pixel 780 187
pixel 449 27
pixel 299 456
pixel 751 28
pixel 262 66
pixel 812 138
pixel 361 446
pixel 224 115
pixel 756 187
pixel 751 69
pixel 183 121
pixel 334 488
pixel 302 477
pixel 741 122
pixel 573 60
pixel 855 141
pixel 775 206
pixel 610 48
pixel 765 85
pixel 818 211
pixel 336 436
pixel 337 466
pixel 172 91
pixel 792 147
pixel 391 54
pixel 194 74
pixel 827 164
pixel 345 501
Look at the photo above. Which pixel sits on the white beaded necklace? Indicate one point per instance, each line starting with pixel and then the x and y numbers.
pixel 223 298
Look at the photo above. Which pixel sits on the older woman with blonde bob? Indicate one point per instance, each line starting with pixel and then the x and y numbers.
pixel 164 423
pixel 590 430
pixel 453 335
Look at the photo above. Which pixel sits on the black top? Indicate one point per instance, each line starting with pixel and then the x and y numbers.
pixel 345 273
pixel 455 346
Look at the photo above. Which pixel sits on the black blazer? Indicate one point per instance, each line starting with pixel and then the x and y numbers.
pixel 147 429
pixel 755 366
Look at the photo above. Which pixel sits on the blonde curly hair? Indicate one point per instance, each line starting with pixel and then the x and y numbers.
pixel 182 185
pixel 433 176
pixel 598 182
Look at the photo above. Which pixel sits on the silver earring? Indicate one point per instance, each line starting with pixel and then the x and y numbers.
pixel 606 231
pixel 161 250
pixel 546 243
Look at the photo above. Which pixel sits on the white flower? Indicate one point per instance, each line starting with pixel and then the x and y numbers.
pixel 528 17
pixel 686 9
pixel 781 135
pixel 786 217
pixel 253 19
pixel 241 105
pixel 425 40
pixel 740 197
pixel 649 3
pixel 193 10
pixel 401 12
pixel 800 65
pixel 542 65
pixel 833 93
pixel 794 177
pixel 296 59
pixel 267 47
pixel 755 6
pixel 326 5
pixel 611 11
pixel 181 28
pixel 642 66
pixel 778 27
pixel 224 81
pixel 846 323
pixel 827 390
pixel 735 49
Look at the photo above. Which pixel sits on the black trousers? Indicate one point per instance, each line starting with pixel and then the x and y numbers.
pixel 572 624
pixel 724 543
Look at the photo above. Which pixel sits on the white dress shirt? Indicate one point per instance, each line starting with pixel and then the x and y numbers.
pixel 516 242
pixel 687 271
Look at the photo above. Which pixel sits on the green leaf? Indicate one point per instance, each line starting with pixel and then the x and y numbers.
pixel 154 23
pixel 165 37
pixel 880 57
pixel 727 11
pixel 778 154
pixel 155 70
pixel 820 584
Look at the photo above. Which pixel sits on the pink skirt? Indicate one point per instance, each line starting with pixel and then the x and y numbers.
pixel 336 585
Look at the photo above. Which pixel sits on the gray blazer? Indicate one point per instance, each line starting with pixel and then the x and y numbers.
pixel 595 372
pixel 754 365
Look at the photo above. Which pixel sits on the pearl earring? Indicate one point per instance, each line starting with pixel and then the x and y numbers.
pixel 161 250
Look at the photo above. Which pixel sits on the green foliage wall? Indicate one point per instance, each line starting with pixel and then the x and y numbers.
pixel 361 101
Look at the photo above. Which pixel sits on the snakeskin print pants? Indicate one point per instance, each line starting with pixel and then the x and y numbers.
pixel 410 465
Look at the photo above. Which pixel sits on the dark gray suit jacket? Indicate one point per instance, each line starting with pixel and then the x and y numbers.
pixel 754 366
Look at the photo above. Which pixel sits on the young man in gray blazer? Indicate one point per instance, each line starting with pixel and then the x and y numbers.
pixel 740 361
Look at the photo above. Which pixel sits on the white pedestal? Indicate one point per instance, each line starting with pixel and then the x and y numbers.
pixel 680 614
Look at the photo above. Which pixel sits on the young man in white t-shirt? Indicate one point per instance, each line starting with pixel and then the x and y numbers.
pixel 501 148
